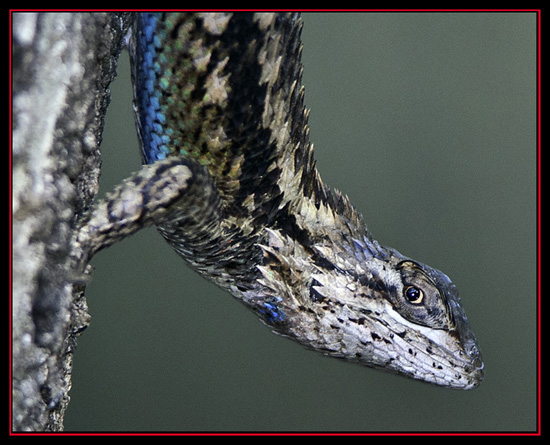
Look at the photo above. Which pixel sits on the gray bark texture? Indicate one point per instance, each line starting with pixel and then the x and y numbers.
pixel 62 65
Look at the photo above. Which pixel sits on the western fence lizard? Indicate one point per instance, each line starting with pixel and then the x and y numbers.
pixel 230 181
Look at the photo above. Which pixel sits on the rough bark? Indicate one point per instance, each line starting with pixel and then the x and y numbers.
pixel 62 64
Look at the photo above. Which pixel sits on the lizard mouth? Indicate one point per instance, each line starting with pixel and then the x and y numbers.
pixel 475 369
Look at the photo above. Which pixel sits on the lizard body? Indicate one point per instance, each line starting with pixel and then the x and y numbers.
pixel 230 181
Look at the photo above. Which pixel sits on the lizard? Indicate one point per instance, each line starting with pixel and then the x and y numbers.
pixel 230 181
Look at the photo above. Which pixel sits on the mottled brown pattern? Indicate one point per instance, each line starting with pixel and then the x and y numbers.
pixel 243 204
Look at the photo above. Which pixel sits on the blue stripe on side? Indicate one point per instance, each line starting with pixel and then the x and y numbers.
pixel 151 117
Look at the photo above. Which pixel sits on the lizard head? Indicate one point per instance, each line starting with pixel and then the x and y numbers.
pixel 370 304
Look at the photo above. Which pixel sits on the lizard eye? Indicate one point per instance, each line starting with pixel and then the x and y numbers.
pixel 420 300
pixel 414 295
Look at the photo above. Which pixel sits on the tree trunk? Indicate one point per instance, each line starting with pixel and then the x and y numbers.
pixel 62 64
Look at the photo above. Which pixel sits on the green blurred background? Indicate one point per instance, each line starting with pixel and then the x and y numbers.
pixel 428 122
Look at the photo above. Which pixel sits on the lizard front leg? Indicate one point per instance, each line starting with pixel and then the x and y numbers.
pixel 173 189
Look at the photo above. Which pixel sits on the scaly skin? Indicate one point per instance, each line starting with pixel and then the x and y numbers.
pixel 231 183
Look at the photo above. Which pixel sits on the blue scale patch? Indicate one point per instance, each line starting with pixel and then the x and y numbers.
pixel 154 138
pixel 271 312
